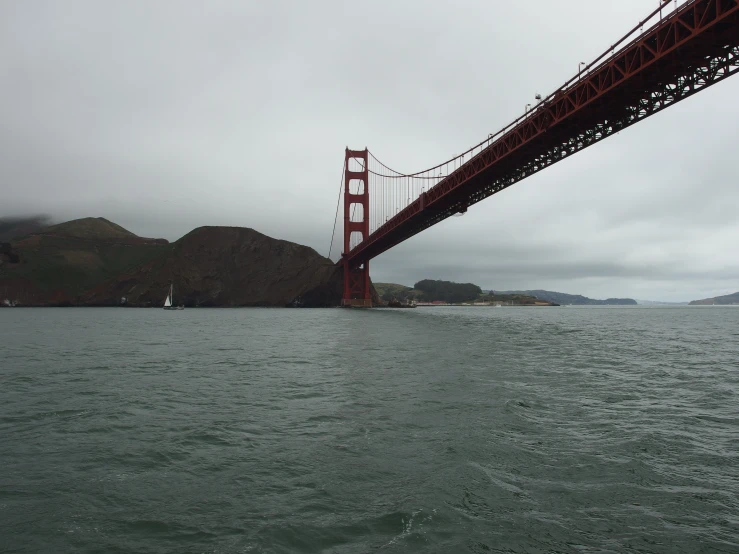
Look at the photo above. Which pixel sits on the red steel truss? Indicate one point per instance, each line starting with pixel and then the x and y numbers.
pixel 684 53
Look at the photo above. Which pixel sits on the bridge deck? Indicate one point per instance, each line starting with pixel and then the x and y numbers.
pixel 693 48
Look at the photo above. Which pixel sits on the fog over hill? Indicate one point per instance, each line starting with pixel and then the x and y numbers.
pixel 14 227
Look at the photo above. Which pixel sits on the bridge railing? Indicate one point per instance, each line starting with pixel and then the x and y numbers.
pixel 652 21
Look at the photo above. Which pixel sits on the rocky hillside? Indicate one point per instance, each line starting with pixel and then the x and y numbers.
pixel 227 266
pixel 94 262
pixel 718 300
pixel 57 265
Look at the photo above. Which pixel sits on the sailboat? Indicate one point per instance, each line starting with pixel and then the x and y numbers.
pixel 168 301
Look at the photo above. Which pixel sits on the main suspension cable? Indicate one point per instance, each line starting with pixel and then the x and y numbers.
pixel 336 217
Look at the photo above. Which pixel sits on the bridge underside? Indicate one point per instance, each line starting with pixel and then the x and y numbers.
pixel 691 50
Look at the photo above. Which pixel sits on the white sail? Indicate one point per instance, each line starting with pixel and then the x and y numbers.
pixel 168 302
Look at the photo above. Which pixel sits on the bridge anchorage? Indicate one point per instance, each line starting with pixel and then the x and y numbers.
pixel 677 51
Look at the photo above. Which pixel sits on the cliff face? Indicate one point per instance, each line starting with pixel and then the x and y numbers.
pixel 97 263
pixel 227 266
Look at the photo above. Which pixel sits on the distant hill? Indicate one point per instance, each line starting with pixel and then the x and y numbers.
pixel 447 291
pixel 659 303
pixel 45 269
pixel 388 291
pixel 228 266
pixel 574 299
pixel 453 293
pixel 91 228
pixel 718 300
pixel 429 290
pixel 95 262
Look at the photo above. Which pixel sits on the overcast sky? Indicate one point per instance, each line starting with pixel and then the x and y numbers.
pixel 167 115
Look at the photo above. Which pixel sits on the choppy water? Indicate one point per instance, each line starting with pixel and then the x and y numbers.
pixel 429 430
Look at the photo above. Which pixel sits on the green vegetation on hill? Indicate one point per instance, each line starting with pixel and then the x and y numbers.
pixel 574 299
pixel 726 300
pixel 447 291
pixel 511 299
pixel 58 263
pixel 428 291
pixel 388 291
pixel 73 265
pixel 454 293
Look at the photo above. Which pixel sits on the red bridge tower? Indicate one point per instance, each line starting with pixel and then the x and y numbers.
pixel 356 204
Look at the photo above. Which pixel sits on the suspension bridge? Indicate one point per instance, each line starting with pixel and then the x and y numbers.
pixel 679 50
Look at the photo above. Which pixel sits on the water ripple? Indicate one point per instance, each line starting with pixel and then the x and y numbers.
pixel 441 430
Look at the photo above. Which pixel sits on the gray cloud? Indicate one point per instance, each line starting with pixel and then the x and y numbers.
pixel 166 115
